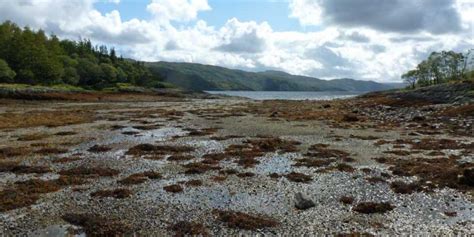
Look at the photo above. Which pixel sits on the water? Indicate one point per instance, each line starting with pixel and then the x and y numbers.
pixel 289 95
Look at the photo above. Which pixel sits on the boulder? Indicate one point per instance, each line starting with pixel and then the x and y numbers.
pixel 418 118
pixel 468 177
pixel 303 203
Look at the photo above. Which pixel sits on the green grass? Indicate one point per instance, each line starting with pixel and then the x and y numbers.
pixel 165 85
pixel 127 87
pixel 122 87
pixel 59 87
pixel 118 87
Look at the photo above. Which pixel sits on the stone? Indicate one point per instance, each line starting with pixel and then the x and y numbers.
pixel 418 118
pixel 350 118
pixel 302 203
pixel 468 177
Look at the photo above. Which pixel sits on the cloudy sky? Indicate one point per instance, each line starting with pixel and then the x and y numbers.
pixel 362 39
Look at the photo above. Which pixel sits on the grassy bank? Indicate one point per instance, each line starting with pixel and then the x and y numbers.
pixel 39 88
pixel 119 92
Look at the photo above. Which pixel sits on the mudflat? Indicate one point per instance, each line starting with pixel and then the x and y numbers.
pixel 366 166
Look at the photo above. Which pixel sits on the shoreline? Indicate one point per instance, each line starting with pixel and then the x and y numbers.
pixel 167 166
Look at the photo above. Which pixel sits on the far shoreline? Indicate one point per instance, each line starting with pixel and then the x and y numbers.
pixel 291 95
pixel 66 92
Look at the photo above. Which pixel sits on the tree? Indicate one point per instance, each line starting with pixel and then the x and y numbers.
pixel 453 64
pixel 27 76
pixel 113 55
pixel 424 73
pixel 121 75
pixel 38 58
pixel 109 72
pixel 6 73
pixel 439 68
pixel 71 76
pixel 466 62
pixel 411 78
pixel 7 30
pixel 89 72
pixel 434 65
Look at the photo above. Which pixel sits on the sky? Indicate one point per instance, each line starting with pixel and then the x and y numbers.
pixel 361 39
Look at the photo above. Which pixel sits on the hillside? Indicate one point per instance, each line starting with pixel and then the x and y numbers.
pixel 447 93
pixel 31 57
pixel 192 76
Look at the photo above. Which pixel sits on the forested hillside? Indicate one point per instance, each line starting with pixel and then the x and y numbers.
pixel 193 76
pixel 32 57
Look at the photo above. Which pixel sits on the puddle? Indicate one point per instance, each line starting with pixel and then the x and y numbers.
pixel 57 231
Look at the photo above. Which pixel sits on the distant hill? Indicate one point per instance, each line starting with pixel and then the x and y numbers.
pixel 198 77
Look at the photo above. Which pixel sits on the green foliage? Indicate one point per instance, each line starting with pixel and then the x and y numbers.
pixel 440 67
pixel 411 77
pixel 109 72
pixel 6 73
pixel 470 75
pixel 59 87
pixel 71 76
pixel 39 59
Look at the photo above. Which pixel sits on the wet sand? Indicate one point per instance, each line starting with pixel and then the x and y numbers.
pixel 336 145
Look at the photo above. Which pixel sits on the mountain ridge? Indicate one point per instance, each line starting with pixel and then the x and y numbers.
pixel 201 77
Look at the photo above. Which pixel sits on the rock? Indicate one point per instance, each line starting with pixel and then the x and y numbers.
pixel 302 203
pixel 435 126
pixel 372 207
pixel 350 118
pixel 418 118
pixel 428 109
pixel 468 177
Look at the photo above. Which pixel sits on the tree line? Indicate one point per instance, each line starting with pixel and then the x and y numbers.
pixel 32 57
pixel 440 67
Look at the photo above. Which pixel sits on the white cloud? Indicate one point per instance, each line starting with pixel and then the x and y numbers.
pixel 42 13
pixel 308 12
pixel 244 37
pixel 466 10
pixel 177 10
pixel 77 19
pixel 175 33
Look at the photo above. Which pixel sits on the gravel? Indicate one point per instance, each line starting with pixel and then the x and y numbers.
pixel 151 210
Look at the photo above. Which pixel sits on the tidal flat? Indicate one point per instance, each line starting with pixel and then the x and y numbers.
pixel 230 166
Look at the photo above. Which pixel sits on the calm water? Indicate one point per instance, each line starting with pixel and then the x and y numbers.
pixel 289 95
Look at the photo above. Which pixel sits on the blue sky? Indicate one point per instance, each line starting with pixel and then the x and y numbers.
pixel 361 39
pixel 274 12
pixel 128 8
